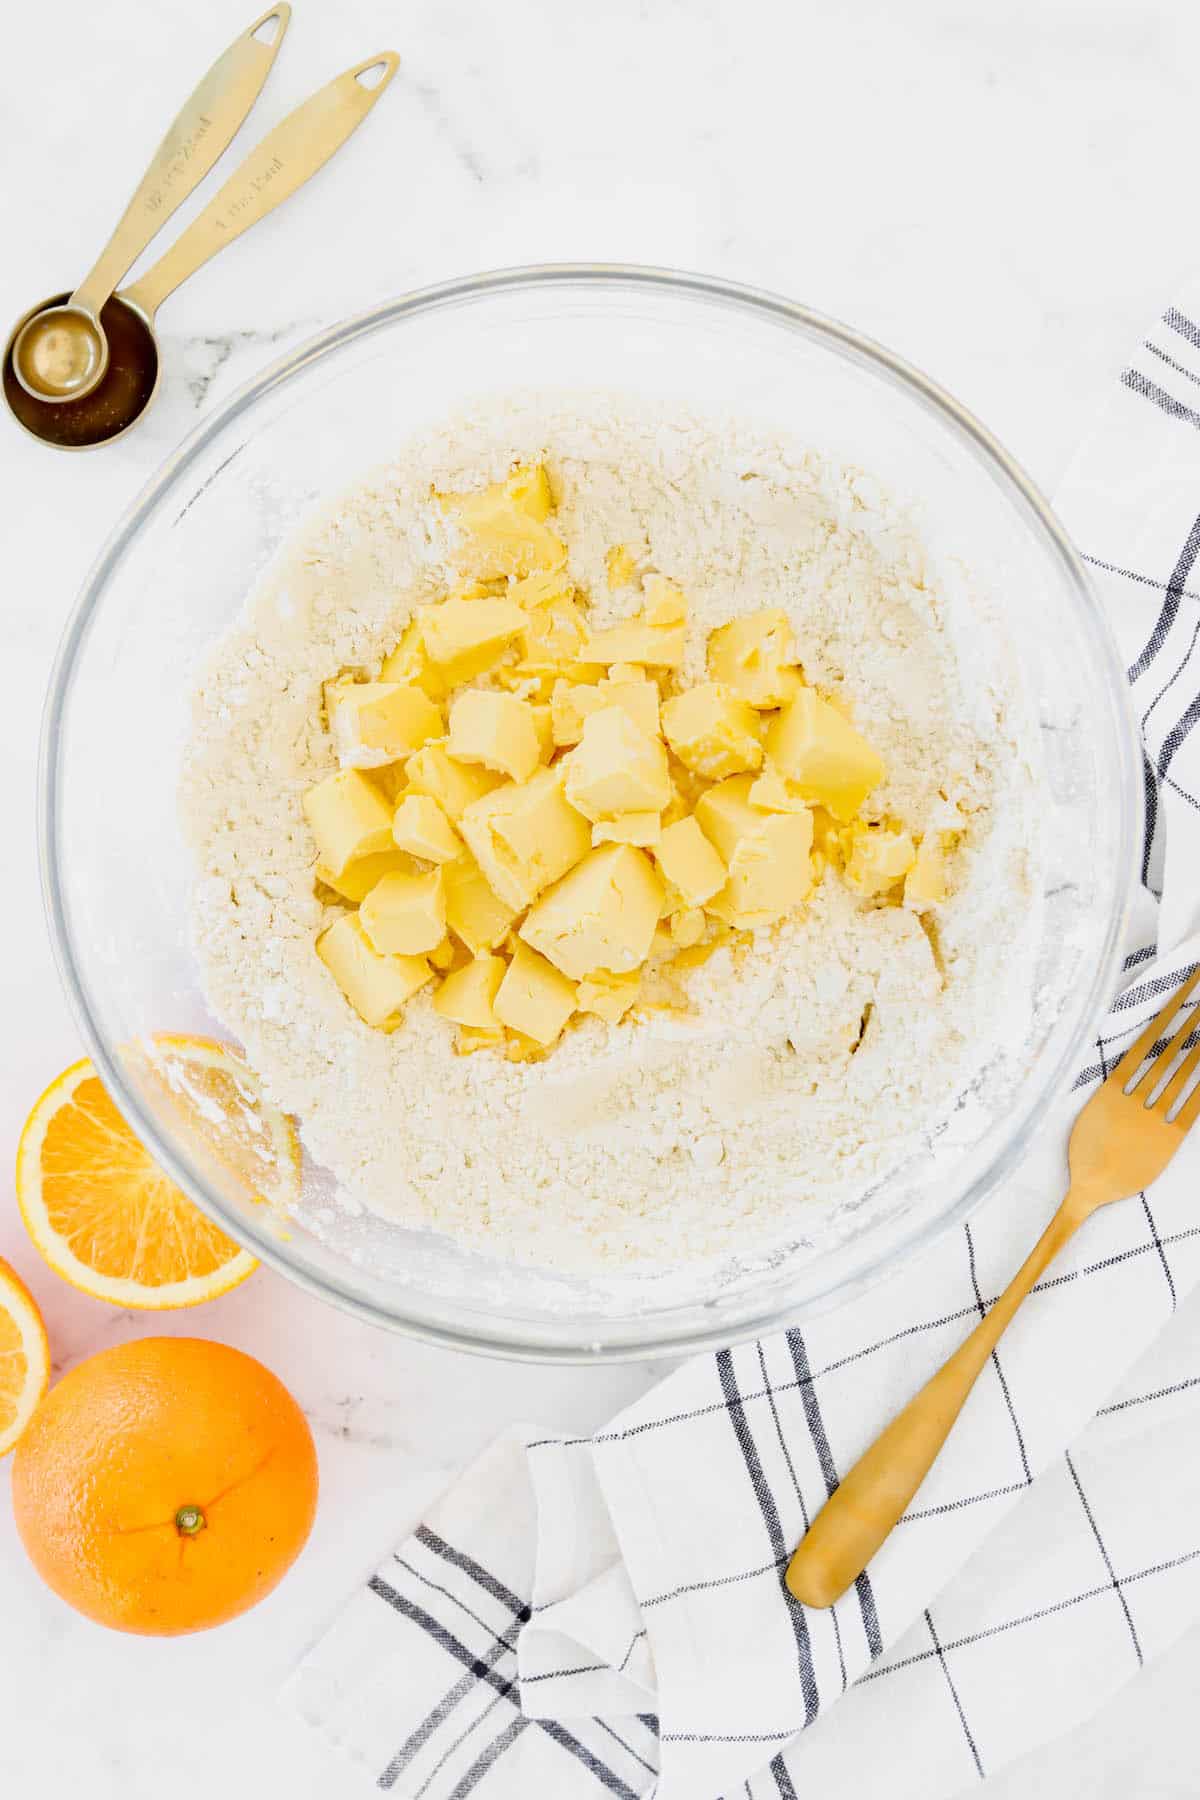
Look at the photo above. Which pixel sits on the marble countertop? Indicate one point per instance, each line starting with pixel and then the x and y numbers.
pixel 995 192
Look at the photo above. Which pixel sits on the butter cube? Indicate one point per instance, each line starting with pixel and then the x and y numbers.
pixel 503 528
pixel 533 998
pixel 359 877
pixel 665 604
pixel 494 729
pixel 449 955
pixel 543 724
pixel 602 915
pixel 641 828
pixel 608 996
pixel 621 566
pixel 349 818
pixel 571 704
pixel 454 785
pixel 687 926
pixel 405 914
pixel 409 662
pixel 636 641
pixel 725 815
pixel 877 858
pixel 377 722
pixel 468 637
pixel 524 836
pixel 815 747
pixel 474 913
pixel 712 731
pixel 774 793
pixel 616 768
pixel 466 997
pixel 553 634
pixel 422 828
pixel 689 862
pixel 472 1038
pixel 376 986
pixel 755 657
pixel 769 872
pixel 927 883
pixel 545 588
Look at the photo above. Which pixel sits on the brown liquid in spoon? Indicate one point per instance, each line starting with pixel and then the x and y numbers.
pixel 123 393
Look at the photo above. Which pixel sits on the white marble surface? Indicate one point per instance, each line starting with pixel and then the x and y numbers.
pixel 1001 192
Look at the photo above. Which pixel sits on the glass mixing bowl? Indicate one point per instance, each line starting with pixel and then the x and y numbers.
pixel 177 570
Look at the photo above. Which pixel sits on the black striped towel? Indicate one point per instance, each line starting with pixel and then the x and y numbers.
pixel 608 1617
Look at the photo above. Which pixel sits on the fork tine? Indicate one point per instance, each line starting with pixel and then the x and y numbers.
pixel 1137 1053
pixel 1180 1079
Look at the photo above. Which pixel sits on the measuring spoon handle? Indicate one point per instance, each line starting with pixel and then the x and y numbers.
pixel 285 159
pixel 205 127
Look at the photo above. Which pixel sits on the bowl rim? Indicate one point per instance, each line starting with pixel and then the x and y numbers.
pixel 857 348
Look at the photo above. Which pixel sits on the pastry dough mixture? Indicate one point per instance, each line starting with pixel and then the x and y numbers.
pixel 753 751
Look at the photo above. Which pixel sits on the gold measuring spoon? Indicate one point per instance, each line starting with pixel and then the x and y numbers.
pixel 274 169
pixel 60 351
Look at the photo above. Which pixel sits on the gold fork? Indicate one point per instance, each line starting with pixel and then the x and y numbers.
pixel 1119 1145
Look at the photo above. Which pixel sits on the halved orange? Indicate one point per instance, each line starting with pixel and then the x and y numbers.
pixel 24 1357
pixel 102 1212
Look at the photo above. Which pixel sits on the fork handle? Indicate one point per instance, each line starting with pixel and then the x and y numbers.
pixel 860 1513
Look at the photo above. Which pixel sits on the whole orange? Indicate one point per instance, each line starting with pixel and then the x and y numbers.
pixel 165 1485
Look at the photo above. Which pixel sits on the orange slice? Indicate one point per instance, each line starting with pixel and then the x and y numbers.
pixel 24 1357
pixel 106 1217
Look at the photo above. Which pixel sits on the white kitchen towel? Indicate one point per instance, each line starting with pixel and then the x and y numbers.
pixel 582 1617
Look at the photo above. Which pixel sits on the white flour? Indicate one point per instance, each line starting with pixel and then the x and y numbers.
pixel 663 1139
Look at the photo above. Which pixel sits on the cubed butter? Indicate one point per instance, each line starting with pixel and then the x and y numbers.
pixel 454 785
pixel 377 722
pixel 376 986
pixel 552 635
pixel 641 828
pixel 636 641
pixel 349 818
pixel 474 912
pixel 422 828
pixel 504 530
pixel 927 882
pixel 448 955
pixel 712 731
pixel 725 814
pixel 687 926
pixel 774 793
pixel 755 656
pixel 524 836
pixel 468 637
pixel 358 878
pixel 687 860
pixel 409 661
pixel 534 998
pixel 616 768
pixel 405 915
pixel 467 996
pixel 601 915
pixel 572 703
pixel 543 724
pixel 877 857
pixel 472 1038
pixel 608 996
pixel 545 588
pixel 494 729
pixel 769 872
pixel 621 566
pixel 816 748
